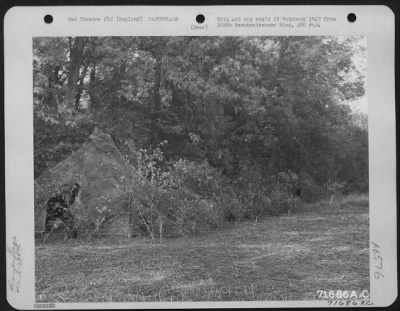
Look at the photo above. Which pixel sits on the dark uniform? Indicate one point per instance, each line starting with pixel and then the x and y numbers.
pixel 58 208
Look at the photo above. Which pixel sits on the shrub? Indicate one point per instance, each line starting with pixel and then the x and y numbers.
pixel 229 204
pixel 250 189
pixel 189 187
pixel 335 189
pixel 311 190
pixel 199 216
pixel 198 177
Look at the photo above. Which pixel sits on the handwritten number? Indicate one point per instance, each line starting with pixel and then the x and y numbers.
pixel 380 263
pixel 375 245
pixel 378 275
pixel 378 258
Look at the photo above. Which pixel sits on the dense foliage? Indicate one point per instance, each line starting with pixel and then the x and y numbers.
pixel 243 120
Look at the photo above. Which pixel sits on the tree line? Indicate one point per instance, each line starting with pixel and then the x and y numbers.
pixel 255 111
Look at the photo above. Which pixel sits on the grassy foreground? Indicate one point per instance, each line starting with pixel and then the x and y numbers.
pixel 277 258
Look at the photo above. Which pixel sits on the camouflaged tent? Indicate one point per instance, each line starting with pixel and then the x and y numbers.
pixel 107 183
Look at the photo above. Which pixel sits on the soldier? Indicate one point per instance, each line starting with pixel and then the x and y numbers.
pixel 58 208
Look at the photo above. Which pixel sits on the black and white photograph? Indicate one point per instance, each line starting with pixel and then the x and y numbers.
pixel 200 168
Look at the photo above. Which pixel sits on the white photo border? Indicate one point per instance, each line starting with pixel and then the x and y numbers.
pixel 21 24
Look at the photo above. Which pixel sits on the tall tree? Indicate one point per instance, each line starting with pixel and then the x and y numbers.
pixel 76 55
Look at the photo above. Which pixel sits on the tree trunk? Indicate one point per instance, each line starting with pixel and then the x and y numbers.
pixel 52 99
pixel 76 59
pixel 331 200
pixel 130 216
pixel 80 88
pixel 156 108
pixel 92 82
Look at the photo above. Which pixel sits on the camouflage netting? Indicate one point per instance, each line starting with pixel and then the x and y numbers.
pixel 107 183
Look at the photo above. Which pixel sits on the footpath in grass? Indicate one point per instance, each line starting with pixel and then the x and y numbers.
pixel 277 258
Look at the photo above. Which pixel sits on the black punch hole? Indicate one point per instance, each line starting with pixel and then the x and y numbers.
pixel 200 18
pixel 48 19
pixel 351 17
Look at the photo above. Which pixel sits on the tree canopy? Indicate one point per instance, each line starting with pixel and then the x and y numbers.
pixel 246 106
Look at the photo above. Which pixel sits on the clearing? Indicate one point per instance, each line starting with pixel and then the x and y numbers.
pixel 277 258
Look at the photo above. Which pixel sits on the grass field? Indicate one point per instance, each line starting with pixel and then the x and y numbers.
pixel 277 258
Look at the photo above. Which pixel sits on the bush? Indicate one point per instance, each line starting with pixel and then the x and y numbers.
pixel 229 204
pixel 199 216
pixel 250 189
pixel 312 191
pixel 198 177
pixel 189 187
